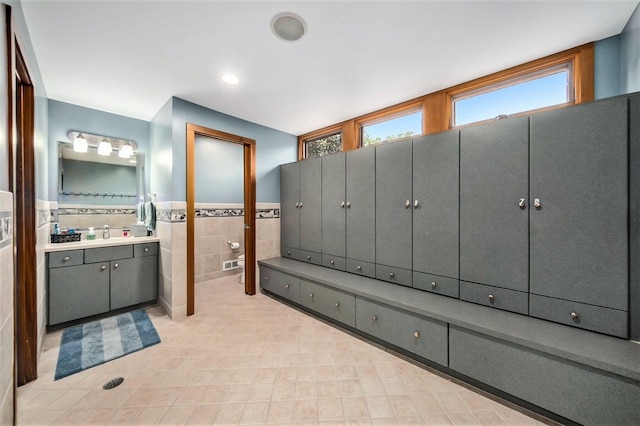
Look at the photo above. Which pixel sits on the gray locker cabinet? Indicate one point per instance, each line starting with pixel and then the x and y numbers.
pixel 579 235
pixel 282 284
pixel 361 204
pixel 133 281
pixel 436 184
pixel 582 394
pixel 310 206
pixel 422 336
pixel 494 174
pixel 333 205
pixel 78 291
pixel 336 304
pixel 289 201
pixel 394 207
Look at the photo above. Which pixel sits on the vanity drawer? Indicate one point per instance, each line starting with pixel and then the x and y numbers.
pixel 146 249
pixel 282 284
pixel 334 262
pixel 425 337
pixel 393 275
pixel 495 297
pixel 437 284
pixel 333 303
pixel 59 259
pixel 310 257
pixel 104 254
pixel 290 253
pixel 361 268
pixel 589 317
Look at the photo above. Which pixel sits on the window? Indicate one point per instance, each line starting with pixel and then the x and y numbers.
pixel 396 126
pixel 328 144
pixel 549 87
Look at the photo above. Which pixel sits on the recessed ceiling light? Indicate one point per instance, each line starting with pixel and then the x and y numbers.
pixel 288 26
pixel 230 79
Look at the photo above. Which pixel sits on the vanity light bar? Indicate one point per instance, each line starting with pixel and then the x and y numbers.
pixel 125 147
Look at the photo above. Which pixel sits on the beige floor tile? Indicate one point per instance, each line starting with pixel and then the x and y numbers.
pixel 150 416
pixel 330 409
pixel 280 412
pixel 403 406
pixel 177 415
pixel 450 402
pixel 305 410
pixel 203 414
pixel 255 413
pixel 229 413
pixel 329 389
pixel 355 408
pixel 379 407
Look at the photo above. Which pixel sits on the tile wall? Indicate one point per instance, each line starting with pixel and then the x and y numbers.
pixel 43 229
pixel 81 217
pixel 6 308
pixel 215 225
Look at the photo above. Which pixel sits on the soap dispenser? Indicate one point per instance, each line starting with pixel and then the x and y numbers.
pixel 105 234
pixel 91 235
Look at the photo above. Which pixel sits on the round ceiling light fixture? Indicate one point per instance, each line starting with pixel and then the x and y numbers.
pixel 230 79
pixel 288 26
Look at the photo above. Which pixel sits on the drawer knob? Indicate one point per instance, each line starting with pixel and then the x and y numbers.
pixel 434 284
pixel 146 249
pixel 116 265
pixel 374 318
pixel 289 253
pixel 286 286
pixel 333 262
pixel 300 206
pixel 311 295
pixel 103 267
pixel 359 268
pixel 575 315
pixel 308 257
pixel 522 203
pixel 66 258
pixel 491 298
pixel 416 203
pixel 416 334
pixel 348 204
pixel 537 204
pixel 391 275
pixel 266 278
pixel 342 204
pixel 337 304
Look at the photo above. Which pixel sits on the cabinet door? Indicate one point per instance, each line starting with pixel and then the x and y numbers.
pixel 361 205
pixel 289 199
pixel 333 204
pixel 494 229
pixel 436 183
pixel 78 291
pixel 311 205
pixel 133 281
pixel 579 172
pixel 393 216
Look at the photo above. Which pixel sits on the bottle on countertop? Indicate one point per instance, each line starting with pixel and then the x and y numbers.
pixel 91 235
pixel 56 229
pixel 105 233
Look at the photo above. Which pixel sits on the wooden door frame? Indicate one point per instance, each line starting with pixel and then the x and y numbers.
pixel 249 146
pixel 21 131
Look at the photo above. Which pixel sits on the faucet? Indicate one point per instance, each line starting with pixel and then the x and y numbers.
pixel 105 234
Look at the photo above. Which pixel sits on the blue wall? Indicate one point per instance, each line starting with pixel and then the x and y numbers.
pixel 630 54
pixel 607 67
pixel 161 158
pixel 219 171
pixel 273 147
pixel 64 117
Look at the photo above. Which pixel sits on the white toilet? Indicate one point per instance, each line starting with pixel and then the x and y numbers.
pixel 241 265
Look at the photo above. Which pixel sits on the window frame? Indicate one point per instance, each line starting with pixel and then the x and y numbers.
pixel 388 115
pixel 324 133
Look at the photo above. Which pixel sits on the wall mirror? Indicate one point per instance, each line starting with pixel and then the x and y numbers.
pixel 96 186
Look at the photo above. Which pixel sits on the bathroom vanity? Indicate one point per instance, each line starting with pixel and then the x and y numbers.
pixel 90 278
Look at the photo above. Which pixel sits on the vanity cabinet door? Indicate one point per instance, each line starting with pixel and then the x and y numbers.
pixel 133 281
pixel 78 291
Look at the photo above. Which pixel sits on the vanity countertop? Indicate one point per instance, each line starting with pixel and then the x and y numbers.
pixel 88 244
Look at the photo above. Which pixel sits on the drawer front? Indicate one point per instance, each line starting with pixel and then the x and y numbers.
pixel 59 259
pixel 589 317
pixel 586 396
pixel 290 253
pixel 284 285
pixel 361 268
pixel 495 297
pixel 104 254
pixel 310 257
pixel 333 303
pixel 416 334
pixel 393 275
pixel 146 249
pixel 437 284
pixel 334 262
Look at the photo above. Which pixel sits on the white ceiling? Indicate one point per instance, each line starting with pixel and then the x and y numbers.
pixel 130 57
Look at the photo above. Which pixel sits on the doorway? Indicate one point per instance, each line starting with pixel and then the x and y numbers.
pixel 249 206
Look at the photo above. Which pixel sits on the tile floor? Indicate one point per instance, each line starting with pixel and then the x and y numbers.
pixel 253 360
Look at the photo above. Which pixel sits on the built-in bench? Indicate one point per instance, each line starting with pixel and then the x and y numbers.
pixel 562 372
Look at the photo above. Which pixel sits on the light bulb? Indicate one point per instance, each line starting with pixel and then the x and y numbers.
pixel 80 143
pixel 104 148
pixel 126 150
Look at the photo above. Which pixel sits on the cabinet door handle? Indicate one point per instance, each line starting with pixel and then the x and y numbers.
pixel 342 204
pixel 416 334
pixel 391 275
pixel 491 298
pixel 348 204
pixel 66 258
pixel 146 249
pixel 416 203
pixel 116 266
pixel 103 267
pixel 575 315
pixel 266 278
pixel 288 253
pixel 311 295
pixel 286 286
pixel 536 203
pixel 297 205
pixel 337 304
pixel 333 262
pixel 407 204
pixel 434 284
pixel 359 268
pixel 308 257
pixel 300 206
pixel 522 203
pixel 374 318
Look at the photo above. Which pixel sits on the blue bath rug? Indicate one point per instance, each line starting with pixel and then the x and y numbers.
pixel 87 345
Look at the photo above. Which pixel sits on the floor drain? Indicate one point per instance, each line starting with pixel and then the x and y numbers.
pixel 113 383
